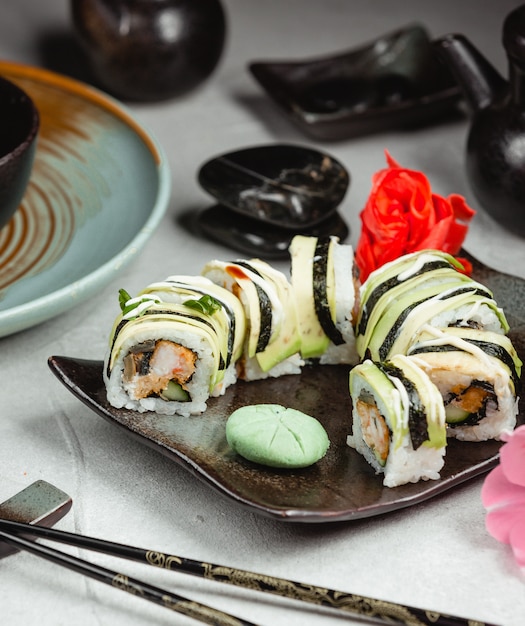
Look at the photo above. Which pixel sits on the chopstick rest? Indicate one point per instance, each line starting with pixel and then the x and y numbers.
pixel 371 608
pixel 38 503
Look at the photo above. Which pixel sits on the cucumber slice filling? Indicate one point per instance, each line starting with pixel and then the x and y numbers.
pixel 469 406
pixel 175 393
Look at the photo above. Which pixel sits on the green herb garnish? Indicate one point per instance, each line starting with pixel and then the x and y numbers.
pixel 123 297
pixel 129 304
pixel 207 304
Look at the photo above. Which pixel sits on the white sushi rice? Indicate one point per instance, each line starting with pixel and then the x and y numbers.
pixel 249 368
pixel 477 313
pixel 406 465
pixel 345 353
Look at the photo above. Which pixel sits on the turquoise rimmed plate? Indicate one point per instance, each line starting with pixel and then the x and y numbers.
pixel 99 187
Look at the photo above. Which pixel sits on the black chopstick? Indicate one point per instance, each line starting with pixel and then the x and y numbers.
pixel 174 602
pixel 377 610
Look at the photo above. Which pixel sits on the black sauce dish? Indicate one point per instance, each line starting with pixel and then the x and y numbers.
pixel 287 185
pixel 258 239
pixel 395 81
pixel 268 193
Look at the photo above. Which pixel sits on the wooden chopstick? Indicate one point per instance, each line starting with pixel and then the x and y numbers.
pixel 174 602
pixel 377 610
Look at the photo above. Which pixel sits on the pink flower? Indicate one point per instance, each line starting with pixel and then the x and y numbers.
pixel 503 495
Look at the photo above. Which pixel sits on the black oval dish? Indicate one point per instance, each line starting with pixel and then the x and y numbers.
pixel 342 485
pixel 395 81
pixel 260 239
pixel 289 186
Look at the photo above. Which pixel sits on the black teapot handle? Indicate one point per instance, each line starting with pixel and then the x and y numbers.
pixel 514 36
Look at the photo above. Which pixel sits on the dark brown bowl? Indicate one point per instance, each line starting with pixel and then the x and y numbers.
pixel 19 126
pixel 148 51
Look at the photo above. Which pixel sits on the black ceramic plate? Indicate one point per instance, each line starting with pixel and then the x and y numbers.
pixel 342 486
pixel 395 81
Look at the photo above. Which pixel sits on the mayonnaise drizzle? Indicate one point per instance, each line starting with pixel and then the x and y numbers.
pixel 417 265
pixel 143 303
pixel 442 338
pixel 404 400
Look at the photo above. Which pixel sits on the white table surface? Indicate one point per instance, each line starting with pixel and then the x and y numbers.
pixel 436 555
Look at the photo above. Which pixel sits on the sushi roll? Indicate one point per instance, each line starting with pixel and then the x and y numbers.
pixel 393 310
pixel 385 284
pixel 477 374
pixel 402 269
pixel 164 357
pixel 228 312
pixel 324 282
pixel 398 420
pixel 271 346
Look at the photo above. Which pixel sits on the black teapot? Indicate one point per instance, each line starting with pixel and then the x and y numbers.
pixel 495 155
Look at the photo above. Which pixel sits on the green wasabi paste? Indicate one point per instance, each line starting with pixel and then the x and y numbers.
pixel 273 435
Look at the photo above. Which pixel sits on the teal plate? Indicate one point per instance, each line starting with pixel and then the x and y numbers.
pixel 99 187
pixel 341 486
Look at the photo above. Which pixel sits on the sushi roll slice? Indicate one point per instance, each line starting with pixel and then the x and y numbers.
pixel 477 374
pixel 324 282
pixel 398 420
pixel 440 306
pixel 398 277
pixel 439 296
pixel 402 269
pixel 271 346
pixel 200 292
pixel 164 357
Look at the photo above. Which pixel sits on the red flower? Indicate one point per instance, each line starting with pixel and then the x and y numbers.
pixel 402 215
pixel 503 495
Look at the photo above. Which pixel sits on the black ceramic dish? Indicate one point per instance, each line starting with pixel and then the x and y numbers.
pixel 257 239
pixel 341 486
pixel 395 81
pixel 289 186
